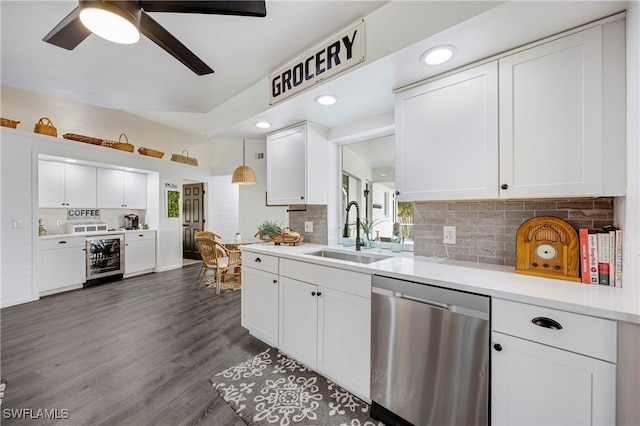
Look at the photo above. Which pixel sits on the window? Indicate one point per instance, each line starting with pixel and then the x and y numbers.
pixel 368 177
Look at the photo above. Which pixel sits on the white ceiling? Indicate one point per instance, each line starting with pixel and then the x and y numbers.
pixel 145 80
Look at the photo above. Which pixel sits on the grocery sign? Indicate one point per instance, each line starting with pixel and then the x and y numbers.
pixel 340 52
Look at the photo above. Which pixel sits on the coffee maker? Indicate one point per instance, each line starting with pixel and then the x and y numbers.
pixel 131 221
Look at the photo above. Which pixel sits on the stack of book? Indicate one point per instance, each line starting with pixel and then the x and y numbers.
pixel 601 256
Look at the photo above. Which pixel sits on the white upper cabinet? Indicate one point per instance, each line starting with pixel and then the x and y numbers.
pixel 62 185
pixel 447 137
pixel 544 121
pixel 118 189
pixel 552 138
pixel 297 160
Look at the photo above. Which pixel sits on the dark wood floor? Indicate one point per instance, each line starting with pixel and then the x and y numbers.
pixel 135 352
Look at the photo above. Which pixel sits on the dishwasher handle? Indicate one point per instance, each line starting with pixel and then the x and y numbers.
pixel 454 308
pixel 445 306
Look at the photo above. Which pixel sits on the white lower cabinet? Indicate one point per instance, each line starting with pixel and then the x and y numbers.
pixel 139 252
pixel 325 322
pixel 538 375
pixel 260 304
pixel 318 315
pixel 299 321
pixel 344 339
pixel 61 264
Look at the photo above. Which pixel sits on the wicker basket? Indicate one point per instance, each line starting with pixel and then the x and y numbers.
pixel 184 158
pixel 44 126
pixel 9 123
pixel 150 152
pixel 122 146
pixel 82 138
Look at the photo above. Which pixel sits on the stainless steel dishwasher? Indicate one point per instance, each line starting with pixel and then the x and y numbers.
pixel 429 354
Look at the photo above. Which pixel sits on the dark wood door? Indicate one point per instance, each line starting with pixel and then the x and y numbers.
pixel 192 222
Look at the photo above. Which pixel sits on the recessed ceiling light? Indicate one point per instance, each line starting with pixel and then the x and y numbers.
pixel 326 99
pixel 438 55
pixel 262 124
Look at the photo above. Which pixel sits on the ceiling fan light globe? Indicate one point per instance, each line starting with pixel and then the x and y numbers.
pixel 109 25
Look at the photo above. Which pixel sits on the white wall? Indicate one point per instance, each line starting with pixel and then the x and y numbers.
pixel 74 117
pixel 631 278
pixel 223 157
pixel 223 207
pixel 18 251
pixel 19 203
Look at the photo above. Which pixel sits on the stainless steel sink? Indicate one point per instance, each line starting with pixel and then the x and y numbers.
pixel 350 257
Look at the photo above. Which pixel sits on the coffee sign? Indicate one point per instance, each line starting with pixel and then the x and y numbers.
pixel 74 214
pixel 327 59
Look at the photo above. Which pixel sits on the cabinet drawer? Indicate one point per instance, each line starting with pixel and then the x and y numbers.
pixel 62 242
pixel 262 262
pixel 327 276
pixel 582 334
pixel 139 236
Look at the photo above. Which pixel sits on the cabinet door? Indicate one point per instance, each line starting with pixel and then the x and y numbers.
pixel 139 253
pixel 61 268
pixel 447 137
pixel 80 186
pixel 110 188
pixel 298 322
pixel 51 184
pixel 344 339
pixel 535 384
pixel 551 121
pixel 260 304
pixel 286 166
pixel 135 190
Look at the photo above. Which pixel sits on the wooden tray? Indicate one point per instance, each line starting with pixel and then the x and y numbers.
pixel 82 138
pixel 283 239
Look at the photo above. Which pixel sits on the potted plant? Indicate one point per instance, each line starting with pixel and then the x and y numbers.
pixel 367 230
pixel 268 229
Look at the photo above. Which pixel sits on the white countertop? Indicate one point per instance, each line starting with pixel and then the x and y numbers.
pixel 91 234
pixel 495 281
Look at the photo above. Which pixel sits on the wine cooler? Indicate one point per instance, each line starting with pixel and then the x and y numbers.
pixel 105 257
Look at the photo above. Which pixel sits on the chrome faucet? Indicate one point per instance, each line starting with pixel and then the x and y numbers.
pixel 345 233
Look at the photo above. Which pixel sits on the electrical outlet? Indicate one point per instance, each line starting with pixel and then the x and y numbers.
pixel 59 222
pixel 449 235
pixel 308 227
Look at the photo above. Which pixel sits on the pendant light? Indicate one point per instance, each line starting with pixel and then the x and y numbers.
pixel 244 175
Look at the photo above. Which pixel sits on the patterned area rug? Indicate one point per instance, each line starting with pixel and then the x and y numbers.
pixel 231 282
pixel 273 389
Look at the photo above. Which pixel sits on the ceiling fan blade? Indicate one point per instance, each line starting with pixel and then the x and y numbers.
pixel 69 32
pixel 237 7
pixel 156 33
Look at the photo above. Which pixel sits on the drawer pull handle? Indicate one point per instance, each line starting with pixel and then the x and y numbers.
pixel 275 281
pixel 257 259
pixel 547 323
pixel 313 293
pixel 497 347
pixel 62 242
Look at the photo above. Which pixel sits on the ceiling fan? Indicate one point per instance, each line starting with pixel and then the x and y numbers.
pixel 130 18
